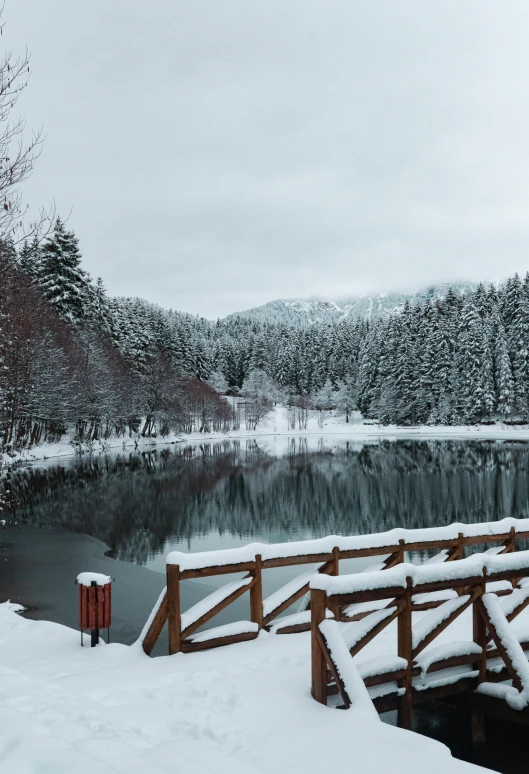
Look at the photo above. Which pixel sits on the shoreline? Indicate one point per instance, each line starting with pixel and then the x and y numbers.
pixel 330 429
pixel 38 568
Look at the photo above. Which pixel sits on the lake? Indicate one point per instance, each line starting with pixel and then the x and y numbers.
pixel 138 506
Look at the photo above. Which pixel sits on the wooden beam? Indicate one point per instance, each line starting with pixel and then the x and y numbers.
pixel 405 651
pixel 220 569
pixel 173 610
pixel 155 629
pixel 290 561
pixel 216 609
pixel 319 676
pixel 217 642
pixel 515 677
pixel 326 568
pixel 372 633
pixel 444 624
pixel 334 672
pixel 256 594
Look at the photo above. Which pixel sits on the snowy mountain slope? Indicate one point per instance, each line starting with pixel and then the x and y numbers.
pixel 301 312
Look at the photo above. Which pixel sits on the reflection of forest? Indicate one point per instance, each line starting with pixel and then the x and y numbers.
pixel 135 502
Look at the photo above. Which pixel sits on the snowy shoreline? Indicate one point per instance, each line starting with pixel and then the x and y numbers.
pixel 276 424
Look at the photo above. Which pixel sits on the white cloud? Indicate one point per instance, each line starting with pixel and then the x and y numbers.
pixel 219 155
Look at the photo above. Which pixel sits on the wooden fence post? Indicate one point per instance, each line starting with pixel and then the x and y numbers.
pixel 173 608
pixel 405 650
pixel 335 570
pixel 479 630
pixel 460 546
pixel 256 594
pixel 318 600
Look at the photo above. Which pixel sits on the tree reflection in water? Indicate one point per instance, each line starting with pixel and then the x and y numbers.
pixel 138 502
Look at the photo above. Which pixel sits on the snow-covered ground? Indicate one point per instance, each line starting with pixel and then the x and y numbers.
pixel 241 709
pixel 276 424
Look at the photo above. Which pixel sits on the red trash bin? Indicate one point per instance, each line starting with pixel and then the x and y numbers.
pixel 95 604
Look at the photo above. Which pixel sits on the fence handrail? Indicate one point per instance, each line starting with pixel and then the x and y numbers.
pixel 449 543
pixel 206 563
pixel 434 577
pixel 470 577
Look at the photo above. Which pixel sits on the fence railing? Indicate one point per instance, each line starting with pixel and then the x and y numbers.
pixel 416 672
pixel 255 559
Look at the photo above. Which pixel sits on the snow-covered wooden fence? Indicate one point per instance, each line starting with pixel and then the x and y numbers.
pixel 391 548
pixel 418 672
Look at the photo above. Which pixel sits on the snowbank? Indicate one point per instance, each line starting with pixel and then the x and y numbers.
pixel 244 709
pixel 277 424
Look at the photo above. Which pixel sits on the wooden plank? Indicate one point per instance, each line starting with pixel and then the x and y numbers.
pixel 319 677
pixel 83 608
pixel 444 624
pixel 494 653
pixel 361 553
pixel 291 561
pixel 92 620
pixel 217 642
pixel 173 608
pixel 441 691
pixel 372 633
pixel 518 609
pixel 479 633
pixel 221 569
pixel 393 560
pixel 405 651
pixel 294 628
pixel 216 609
pixel 157 624
pixel 256 594
pixel 100 606
pixel 327 567
pixel 334 671
pixel 387 677
pixel 107 620
pixel 515 677
pixel 370 595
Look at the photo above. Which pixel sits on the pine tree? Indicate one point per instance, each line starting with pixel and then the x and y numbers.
pixel 30 258
pixel 62 280
pixel 504 385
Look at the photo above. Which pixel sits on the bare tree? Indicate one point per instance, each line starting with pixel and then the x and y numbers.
pixel 18 152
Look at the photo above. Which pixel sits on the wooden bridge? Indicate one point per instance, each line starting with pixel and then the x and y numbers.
pixel 255 560
pixel 414 603
pixel 490 668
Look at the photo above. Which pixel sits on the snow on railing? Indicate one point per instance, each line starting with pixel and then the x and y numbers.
pixel 390 547
pixel 421 575
pixel 325 545
pixel 511 650
pixel 275 600
pixel 448 668
pixel 352 685
pixel 202 608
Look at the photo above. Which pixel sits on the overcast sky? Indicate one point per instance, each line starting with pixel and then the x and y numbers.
pixel 218 155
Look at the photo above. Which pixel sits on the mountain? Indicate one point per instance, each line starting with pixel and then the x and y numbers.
pixel 303 312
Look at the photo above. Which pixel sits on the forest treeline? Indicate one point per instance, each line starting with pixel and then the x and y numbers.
pixel 73 357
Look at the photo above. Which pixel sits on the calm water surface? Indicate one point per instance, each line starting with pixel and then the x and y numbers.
pixel 219 495
pixel 224 494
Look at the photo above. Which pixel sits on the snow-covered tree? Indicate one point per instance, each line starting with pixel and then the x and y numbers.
pixel 218 382
pixel 63 282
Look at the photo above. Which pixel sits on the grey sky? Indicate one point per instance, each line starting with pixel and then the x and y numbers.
pixel 218 155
